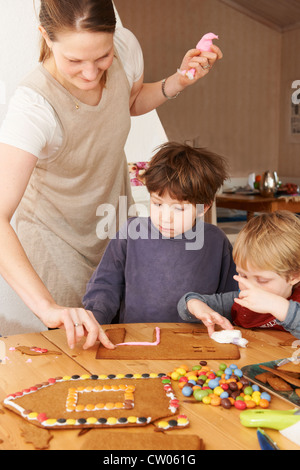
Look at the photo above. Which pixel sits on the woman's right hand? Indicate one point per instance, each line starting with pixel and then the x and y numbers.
pixel 77 323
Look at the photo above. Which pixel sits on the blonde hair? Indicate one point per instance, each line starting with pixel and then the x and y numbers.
pixel 270 242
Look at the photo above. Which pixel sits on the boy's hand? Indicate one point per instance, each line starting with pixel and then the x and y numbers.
pixel 209 317
pixel 260 300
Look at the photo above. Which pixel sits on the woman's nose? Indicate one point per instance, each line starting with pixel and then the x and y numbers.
pixel 90 72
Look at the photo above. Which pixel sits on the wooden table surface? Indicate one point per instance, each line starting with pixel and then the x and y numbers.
pixel 220 429
pixel 256 203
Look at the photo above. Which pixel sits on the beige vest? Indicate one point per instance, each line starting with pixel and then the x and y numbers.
pixel 57 218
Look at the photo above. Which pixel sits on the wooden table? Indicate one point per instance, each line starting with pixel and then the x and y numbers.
pixel 219 428
pixel 256 203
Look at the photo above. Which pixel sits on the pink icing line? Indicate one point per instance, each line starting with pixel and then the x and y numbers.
pixel 144 344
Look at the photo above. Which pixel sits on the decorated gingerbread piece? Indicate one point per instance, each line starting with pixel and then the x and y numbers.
pixel 98 401
pixel 36 351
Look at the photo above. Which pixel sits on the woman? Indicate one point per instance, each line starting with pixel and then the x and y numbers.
pixel 62 155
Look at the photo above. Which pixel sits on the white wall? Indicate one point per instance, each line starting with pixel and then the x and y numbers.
pixel 19 51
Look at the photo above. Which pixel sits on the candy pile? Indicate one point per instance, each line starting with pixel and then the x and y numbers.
pixel 227 387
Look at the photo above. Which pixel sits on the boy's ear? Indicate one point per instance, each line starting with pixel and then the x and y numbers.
pixel 204 209
pixel 294 279
pixel 207 207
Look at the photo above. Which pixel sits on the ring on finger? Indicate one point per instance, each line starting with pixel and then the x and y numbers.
pixel 207 66
pixel 77 324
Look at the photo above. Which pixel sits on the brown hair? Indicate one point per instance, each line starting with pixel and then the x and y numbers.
pixel 186 173
pixel 270 242
pixel 89 15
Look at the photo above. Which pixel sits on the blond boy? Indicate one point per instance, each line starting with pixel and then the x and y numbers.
pixel 267 258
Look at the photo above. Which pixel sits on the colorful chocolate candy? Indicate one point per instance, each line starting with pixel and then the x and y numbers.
pixel 225 387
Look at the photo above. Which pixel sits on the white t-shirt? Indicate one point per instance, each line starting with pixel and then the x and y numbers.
pixel 31 123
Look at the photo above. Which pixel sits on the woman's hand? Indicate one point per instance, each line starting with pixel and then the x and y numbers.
pixel 78 323
pixel 148 96
pixel 200 62
pixel 209 317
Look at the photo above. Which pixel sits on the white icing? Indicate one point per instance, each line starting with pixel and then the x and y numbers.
pixel 229 336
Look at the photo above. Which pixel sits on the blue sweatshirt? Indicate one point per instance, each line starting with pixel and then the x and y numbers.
pixel 142 274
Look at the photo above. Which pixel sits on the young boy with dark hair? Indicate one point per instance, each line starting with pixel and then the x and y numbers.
pixel 154 260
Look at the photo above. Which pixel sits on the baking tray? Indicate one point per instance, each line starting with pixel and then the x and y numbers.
pixel 252 370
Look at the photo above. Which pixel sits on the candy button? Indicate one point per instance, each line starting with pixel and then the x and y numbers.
pixel 182 421
pixel 42 417
pixel 225 402
pixel 200 394
pixel 90 407
pixel 91 420
pixel 265 396
pixel 142 420
pixel 215 400
pixel 181 371
pixel 109 406
pixel 173 422
pixel 248 390
pixel 80 408
pixel 240 405
pixel 250 404
pixel 213 383
pixel 119 405
pixel 81 421
pixel 175 376
pixel 163 424
pixel 122 420
pixel 193 377
pixel 50 422
pixel 131 419
pixel 33 415
pixel 264 403
pixel 102 420
pixel 61 420
pixel 112 420
pixel 187 391
pixel 71 422
pixel 206 400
